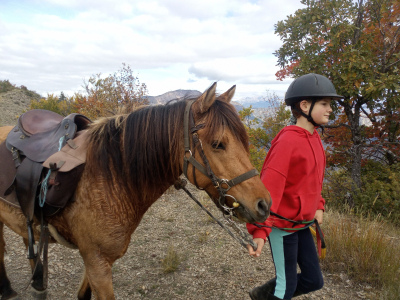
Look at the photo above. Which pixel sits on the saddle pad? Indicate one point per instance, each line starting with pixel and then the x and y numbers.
pixel 73 157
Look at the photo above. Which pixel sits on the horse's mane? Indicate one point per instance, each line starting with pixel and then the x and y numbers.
pixel 138 152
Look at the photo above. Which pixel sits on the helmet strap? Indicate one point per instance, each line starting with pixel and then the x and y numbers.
pixel 308 117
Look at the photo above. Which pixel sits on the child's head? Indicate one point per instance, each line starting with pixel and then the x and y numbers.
pixel 309 96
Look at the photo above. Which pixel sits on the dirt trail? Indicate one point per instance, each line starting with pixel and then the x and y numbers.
pixel 213 265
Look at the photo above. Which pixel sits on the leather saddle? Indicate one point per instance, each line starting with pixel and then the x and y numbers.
pixel 38 135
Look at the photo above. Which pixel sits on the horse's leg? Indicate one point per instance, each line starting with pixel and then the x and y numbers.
pixel 84 293
pixel 37 277
pixel 99 275
pixel 6 290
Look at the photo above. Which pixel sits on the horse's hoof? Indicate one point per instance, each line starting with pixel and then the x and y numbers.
pixel 38 287
pixel 7 296
pixel 39 295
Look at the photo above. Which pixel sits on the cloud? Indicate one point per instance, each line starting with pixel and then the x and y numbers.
pixel 51 45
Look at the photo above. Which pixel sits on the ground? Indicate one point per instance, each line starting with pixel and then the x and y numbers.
pixel 213 265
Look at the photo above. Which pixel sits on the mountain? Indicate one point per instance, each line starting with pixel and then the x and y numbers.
pixel 255 102
pixel 173 95
pixel 180 95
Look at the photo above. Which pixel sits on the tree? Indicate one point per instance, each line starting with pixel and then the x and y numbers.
pixel 105 96
pixel 262 130
pixel 62 96
pixel 356 44
pixel 53 103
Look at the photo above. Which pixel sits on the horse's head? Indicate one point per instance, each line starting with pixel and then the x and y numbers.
pixel 219 139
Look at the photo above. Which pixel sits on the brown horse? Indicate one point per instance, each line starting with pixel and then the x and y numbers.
pixel 131 161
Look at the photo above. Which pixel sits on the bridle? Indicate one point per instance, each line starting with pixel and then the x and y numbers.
pixel 222 185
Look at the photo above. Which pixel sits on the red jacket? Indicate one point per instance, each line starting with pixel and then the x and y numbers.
pixel 293 173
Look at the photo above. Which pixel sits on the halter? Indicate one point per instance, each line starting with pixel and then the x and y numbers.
pixel 222 185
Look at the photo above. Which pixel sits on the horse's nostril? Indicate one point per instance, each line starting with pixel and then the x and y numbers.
pixel 262 207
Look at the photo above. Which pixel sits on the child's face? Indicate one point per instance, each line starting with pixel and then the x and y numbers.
pixel 321 111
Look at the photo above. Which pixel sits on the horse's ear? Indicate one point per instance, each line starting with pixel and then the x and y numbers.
pixel 228 95
pixel 207 98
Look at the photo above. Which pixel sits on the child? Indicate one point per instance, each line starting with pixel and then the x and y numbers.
pixel 293 173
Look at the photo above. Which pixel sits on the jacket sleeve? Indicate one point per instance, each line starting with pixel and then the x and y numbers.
pixel 275 182
pixel 321 204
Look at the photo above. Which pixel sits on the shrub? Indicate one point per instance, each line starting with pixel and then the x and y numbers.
pixel 52 103
pixel 6 86
pixel 379 194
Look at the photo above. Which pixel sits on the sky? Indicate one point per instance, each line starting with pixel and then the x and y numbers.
pixel 51 46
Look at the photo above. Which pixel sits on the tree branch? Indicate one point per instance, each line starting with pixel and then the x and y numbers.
pixel 337 126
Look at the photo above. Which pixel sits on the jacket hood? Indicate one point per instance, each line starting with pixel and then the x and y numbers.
pixel 296 130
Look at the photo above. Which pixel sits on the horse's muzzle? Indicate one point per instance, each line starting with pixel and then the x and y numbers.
pixel 262 209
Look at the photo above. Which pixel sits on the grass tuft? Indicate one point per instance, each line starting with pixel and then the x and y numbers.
pixel 368 250
pixel 171 261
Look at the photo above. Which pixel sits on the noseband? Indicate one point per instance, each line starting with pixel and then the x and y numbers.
pixel 222 185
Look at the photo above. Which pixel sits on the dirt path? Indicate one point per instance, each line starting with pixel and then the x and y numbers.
pixel 213 265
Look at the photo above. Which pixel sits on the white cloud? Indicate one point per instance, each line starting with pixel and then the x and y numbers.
pixel 51 45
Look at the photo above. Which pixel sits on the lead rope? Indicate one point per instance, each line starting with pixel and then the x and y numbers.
pixel 181 184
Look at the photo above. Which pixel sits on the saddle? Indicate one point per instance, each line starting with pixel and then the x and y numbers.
pixel 33 171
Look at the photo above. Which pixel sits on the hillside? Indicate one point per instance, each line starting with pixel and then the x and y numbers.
pixel 13 101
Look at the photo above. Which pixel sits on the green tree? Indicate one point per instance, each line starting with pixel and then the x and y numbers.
pixel 356 44
pixel 53 103
pixel 62 96
pixel 262 130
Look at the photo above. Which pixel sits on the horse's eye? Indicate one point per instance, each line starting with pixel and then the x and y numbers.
pixel 218 145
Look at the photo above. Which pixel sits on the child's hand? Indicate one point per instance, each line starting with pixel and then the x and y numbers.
pixel 319 216
pixel 260 244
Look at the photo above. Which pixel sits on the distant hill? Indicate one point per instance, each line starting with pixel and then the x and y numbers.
pixel 13 101
pixel 173 95
pixel 255 102
pixel 180 95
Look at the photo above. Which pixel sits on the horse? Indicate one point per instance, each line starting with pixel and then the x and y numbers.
pixel 132 159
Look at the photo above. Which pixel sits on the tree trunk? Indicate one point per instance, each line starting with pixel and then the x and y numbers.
pixel 353 115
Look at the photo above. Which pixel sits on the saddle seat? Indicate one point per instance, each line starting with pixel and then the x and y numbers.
pixel 38 120
pixel 38 133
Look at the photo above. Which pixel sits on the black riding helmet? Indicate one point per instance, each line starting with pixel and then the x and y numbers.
pixel 310 87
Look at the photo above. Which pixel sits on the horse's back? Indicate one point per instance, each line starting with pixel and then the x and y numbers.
pixel 4 131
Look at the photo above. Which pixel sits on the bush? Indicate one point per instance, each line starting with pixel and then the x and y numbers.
pixel 52 103
pixel 378 196
pixel 6 86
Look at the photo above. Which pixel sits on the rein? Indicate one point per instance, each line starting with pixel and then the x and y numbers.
pixel 222 185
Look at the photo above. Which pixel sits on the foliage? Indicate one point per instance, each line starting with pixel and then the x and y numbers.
pixel 365 249
pixel 356 44
pixel 53 103
pixel 262 131
pixel 379 195
pixel 6 86
pixel 29 93
pixel 105 96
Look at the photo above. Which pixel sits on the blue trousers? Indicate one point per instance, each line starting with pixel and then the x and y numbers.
pixel 289 249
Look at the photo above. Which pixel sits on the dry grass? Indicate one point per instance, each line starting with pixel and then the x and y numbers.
pixel 368 250
pixel 171 261
pixel 202 236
